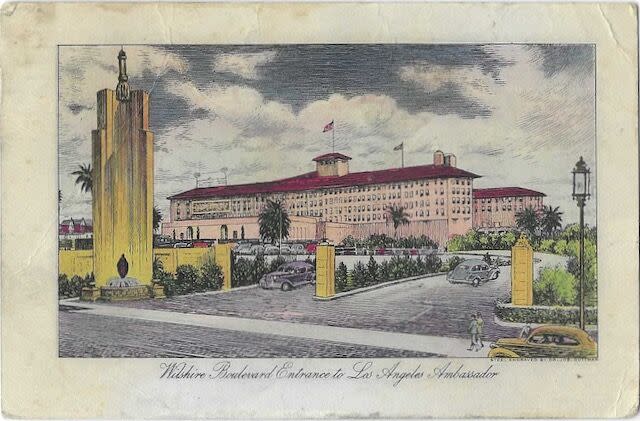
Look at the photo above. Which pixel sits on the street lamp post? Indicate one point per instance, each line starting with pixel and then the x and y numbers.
pixel 581 180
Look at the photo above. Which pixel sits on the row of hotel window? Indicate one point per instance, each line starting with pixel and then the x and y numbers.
pixel 249 205
pixel 504 208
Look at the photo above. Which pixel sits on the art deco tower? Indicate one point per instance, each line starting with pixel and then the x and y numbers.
pixel 122 148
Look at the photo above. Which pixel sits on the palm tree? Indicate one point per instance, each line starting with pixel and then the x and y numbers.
pixel 528 221
pixel 551 220
pixel 84 177
pixel 274 221
pixel 157 218
pixel 398 216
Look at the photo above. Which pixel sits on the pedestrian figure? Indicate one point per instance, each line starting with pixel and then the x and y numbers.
pixel 473 330
pixel 480 329
pixel 526 330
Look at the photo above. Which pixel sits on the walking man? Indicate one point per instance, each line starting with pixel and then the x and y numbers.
pixel 473 330
pixel 480 329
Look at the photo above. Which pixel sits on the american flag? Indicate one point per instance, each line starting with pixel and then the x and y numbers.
pixel 328 127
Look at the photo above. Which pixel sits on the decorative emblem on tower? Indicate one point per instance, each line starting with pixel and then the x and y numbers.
pixel 123 93
pixel 123 266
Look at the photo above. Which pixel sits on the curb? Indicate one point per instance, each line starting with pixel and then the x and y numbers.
pixel 377 286
pixel 76 299
pixel 501 322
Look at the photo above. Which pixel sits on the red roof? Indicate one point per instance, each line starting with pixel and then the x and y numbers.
pixel 311 181
pixel 333 155
pixel 504 192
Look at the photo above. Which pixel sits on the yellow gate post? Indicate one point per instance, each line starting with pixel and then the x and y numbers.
pixel 522 273
pixel 223 259
pixel 325 270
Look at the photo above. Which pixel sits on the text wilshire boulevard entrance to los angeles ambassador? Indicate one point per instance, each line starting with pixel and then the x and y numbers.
pixel 328 201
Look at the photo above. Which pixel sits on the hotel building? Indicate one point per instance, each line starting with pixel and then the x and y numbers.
pixel 332 202
pixel 495 209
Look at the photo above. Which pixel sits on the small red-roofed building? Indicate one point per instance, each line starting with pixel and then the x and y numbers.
pixel 495 209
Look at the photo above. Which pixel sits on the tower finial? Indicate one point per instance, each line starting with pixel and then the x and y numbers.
pixel 123 92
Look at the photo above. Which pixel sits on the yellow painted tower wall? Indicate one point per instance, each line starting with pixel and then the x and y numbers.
pixel 122 187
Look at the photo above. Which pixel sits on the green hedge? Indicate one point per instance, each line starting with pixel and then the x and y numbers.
pixel 374 273
pixel 188 279
pixel 71 288
pixel 544 314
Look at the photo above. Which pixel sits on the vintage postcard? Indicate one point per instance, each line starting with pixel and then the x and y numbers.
pixel 320 210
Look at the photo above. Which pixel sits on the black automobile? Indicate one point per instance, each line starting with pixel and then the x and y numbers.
pixel 289 276
pixel 474 272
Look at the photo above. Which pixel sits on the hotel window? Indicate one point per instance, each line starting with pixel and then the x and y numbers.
pixel 441 191
pixel 427 212
pixel 437 211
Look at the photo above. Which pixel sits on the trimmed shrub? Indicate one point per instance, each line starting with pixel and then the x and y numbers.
pixel 186 279
pixel 242 273
pixel 555 287
pixel 71 288
pixel 276 263
pixel 341 277
pixel 544 314
pixel 210 278
pixel 371 277
pixel 452 263
pixel 359 275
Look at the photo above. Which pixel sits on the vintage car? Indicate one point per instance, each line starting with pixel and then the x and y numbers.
pixel 289 276
pixel 549 341
pixel 473 271
pixel 297 249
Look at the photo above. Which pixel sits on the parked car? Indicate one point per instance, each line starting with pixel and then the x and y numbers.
pixel 346 251
pixel 256 249
pixel 289 276
pixel 297 249
pixel 473 271
pixel 243 248
pixel 181 245
pixel 549 341
pixel 311 248
pixel 201 244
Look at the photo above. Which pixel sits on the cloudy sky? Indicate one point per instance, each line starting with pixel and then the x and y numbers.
pixel 519 115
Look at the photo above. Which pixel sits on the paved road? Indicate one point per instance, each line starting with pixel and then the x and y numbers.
pixel 88 335
pixel 428 306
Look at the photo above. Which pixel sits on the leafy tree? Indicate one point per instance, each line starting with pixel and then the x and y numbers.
pixel 555 287
pixel 157 218
pixel 398 217
pixel 341 277
pixel 551 220
pixel 528 221
pixel 274 221
pixel 84 177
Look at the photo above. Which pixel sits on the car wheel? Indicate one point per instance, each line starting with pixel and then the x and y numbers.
pixel 495 275
pixel 475 282
pixel 286 287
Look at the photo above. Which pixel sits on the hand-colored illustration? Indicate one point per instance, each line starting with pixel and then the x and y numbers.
pixel 327 201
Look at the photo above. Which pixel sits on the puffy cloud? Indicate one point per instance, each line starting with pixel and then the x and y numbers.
pixel 245 65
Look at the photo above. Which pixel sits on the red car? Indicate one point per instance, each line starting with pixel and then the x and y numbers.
pixel 311 248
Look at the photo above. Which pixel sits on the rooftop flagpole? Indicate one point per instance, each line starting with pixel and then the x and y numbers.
pixel 333 137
